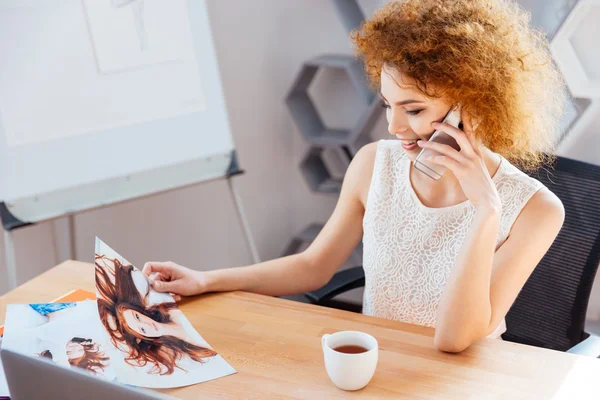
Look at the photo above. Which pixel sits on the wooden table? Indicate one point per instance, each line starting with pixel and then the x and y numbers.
pixel 275 346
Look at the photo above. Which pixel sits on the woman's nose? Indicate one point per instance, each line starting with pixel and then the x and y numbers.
pixel 396 124
pixel 397 129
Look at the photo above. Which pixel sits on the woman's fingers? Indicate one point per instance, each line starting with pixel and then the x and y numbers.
pixel 150 267
pixel 158 277
pixel 161 267
pixel 166 286
pixel 176 297
pixel 442 149
pixel 447 162
pixel 154 276
pixel 461 138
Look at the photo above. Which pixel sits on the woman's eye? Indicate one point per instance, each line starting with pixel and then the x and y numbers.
pixel 143 330
pixel 384 105
pixel 413 112
pixel 137 316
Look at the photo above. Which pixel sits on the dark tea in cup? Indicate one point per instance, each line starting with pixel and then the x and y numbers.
pixel 350 349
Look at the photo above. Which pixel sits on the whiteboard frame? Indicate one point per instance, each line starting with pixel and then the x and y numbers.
pixel 47 206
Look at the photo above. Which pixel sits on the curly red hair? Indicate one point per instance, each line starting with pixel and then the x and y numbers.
pixel 481 54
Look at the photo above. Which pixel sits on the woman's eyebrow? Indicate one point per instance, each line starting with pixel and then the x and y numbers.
pixel 409 101
pixel 403 102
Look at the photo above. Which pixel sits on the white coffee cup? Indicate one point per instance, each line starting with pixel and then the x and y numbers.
pixel 350 371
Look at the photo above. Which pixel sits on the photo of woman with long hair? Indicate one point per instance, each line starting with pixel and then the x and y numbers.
pixel 68 333
pixel 86 354
pixel 155 336
pixel 83 353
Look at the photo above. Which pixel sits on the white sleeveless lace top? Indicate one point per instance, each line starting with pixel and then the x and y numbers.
pixel 410 249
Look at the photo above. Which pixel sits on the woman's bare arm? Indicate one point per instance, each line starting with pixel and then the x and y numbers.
pixel 298 273
pixel 484 284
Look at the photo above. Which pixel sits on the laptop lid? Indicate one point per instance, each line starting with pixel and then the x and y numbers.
pixel 39 378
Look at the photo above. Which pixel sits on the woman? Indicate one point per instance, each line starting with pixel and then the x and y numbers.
pixel 453 253
pixel 148 334
pixel 86 354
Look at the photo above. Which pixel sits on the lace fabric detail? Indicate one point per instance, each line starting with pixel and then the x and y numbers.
pixel 410 249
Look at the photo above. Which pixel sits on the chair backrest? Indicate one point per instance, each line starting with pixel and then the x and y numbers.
pixel 551 308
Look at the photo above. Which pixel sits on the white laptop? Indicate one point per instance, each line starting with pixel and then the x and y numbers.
pixel 39 378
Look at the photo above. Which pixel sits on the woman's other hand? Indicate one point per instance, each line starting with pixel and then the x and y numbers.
pixel 468 164
pixel 174 278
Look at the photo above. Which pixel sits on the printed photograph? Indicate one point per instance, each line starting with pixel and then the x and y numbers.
pixel 158 346
pixel 69 334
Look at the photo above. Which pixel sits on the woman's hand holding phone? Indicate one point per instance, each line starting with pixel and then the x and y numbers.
pixel 467 163
pixel 435 171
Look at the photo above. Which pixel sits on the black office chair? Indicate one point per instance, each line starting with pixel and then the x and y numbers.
pixel 551 308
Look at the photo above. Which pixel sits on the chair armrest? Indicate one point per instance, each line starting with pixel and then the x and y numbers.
pixel 341 282
pixel 589 347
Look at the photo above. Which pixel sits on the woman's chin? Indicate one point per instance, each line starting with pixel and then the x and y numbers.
pixel 412 154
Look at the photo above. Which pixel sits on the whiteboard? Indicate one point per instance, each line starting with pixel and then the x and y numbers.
pixel 106 100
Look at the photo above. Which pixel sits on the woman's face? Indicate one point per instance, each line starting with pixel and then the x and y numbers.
pixel 409 112
pixel 74 350
pixel 142 324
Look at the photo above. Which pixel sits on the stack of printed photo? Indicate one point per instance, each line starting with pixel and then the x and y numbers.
pixel 129 333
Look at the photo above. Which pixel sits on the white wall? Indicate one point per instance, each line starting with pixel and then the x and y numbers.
pixel 260 47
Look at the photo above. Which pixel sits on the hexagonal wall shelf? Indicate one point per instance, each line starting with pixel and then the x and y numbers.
pixel 303 111
pixel 574 46
pixel 318 173
pixel 340 143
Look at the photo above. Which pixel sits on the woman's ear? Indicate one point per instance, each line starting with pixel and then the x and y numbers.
pixel 138 340
pixel 470 120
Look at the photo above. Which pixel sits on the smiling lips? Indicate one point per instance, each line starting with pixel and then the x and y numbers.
pixel 408 144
